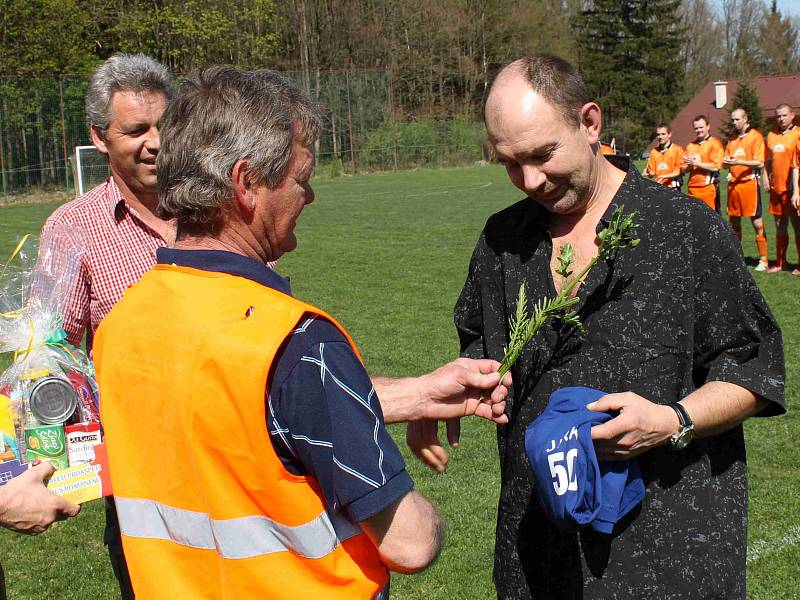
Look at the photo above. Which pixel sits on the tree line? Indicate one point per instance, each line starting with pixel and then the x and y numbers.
pixel 642 59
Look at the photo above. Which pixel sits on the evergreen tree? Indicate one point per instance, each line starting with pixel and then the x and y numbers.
pixel 629 53
pixel 746 98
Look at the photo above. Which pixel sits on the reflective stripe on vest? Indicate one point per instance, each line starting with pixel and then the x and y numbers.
pixel 244 537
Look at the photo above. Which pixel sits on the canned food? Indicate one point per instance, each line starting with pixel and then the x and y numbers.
pixel 47 443
pixel 52 400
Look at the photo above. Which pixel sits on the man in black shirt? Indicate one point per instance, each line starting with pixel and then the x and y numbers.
pixel 677 333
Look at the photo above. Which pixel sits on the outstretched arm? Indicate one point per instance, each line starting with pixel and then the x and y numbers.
pixel 451 391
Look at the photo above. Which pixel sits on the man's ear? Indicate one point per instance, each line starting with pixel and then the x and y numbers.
pixel 98 139
pixel 243 197
pixel 591 119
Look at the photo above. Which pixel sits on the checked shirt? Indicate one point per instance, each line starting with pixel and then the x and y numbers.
pixel 119 249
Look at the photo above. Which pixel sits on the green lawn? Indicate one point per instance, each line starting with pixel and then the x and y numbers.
pixel 387 255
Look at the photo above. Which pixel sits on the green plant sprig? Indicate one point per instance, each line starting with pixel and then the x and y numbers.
pixel 620 233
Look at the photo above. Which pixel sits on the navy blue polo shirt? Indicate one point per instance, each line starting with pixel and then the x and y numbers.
pixel 323 417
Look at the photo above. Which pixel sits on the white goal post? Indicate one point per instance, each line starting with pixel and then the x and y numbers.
pixel 90 168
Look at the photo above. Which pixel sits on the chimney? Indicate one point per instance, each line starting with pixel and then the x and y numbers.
pixel 721 94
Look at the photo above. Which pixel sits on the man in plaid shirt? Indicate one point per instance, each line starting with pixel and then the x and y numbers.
pixel 126 97
pixel 124 102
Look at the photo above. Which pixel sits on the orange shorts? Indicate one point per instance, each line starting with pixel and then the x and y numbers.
pixel 708 194
pixel 780 203
pixel 744 199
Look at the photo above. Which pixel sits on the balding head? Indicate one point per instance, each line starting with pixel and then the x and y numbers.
pixel 551 78
pixel 739 119
pixel 544 133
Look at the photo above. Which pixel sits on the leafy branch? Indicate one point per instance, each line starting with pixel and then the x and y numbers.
pixel 524 325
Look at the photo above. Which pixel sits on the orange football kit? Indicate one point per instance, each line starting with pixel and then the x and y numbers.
pixel 664 161
pixel 744 199
pixel 743 196
pixel 703 184
pixel 782 153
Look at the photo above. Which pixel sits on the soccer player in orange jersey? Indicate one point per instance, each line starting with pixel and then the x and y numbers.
pixel 744 158
pixel 781 178
pixel 703 160
pixel 665 162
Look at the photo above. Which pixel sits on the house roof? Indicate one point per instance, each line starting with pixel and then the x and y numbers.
pixel 772 90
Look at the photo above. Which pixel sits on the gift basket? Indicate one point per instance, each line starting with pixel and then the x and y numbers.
pixel 49 403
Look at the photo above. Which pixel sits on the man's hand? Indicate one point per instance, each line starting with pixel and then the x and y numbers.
pixel 796 201
pixel 729 162
pixel 457 389
pixel 689 159
pixel 454 390
pixel 640 425
pixel 422 438
pixel 27 506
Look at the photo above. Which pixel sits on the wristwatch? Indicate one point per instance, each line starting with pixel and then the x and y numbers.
pixel 685 434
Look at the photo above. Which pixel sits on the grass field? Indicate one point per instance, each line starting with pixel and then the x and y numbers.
pixel 387 254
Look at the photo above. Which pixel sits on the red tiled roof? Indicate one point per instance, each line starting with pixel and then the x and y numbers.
pixel 772 90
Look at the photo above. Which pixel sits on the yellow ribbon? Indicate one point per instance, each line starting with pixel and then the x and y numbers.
pixel 18 314
pixel 14 253
pixel 65 347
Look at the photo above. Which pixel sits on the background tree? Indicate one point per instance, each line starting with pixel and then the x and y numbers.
pixel 739 30
pixel 777 48
pixel 427 61
pixel 703 45
pixel 46 36
pixel 188 35
pixel 630 55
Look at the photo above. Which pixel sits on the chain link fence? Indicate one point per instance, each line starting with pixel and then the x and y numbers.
pixel 42 121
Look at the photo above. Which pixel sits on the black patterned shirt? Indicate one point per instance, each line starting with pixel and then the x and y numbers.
pixel 661 319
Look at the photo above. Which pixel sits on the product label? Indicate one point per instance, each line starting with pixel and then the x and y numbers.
pixel 47 443
pixel 81 440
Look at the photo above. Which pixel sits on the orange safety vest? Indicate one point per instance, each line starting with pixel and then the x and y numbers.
pixel 206 508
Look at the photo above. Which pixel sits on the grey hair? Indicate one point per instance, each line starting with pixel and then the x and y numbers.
pixel 218 117
pixel 127 73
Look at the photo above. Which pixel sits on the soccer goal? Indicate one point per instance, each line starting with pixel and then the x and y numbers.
pixel 91 168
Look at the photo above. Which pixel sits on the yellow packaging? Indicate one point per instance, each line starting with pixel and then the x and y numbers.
pixel 9 450
pixel 85 482
pixel 77 484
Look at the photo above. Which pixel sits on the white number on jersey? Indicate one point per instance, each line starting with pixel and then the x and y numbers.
pixel 564 477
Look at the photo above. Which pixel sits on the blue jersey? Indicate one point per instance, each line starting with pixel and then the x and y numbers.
pixel 574 488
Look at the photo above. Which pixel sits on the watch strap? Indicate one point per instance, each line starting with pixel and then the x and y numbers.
pixel 683 415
